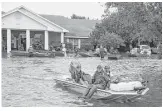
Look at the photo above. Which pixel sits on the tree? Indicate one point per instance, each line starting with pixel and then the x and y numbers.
pixel 135 23
pixel 111 40
pixel 96 34
pixel 74 16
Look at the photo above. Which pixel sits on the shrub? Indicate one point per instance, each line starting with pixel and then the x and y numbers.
pixel 69 46
pixel 86 47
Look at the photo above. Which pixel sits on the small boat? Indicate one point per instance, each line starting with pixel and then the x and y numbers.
pixel 19 53
pixel 102 94
pixel 83 54
pixel 114 57
pixel 37 54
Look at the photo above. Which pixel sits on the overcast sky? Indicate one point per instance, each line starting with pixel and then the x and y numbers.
pixel 92 10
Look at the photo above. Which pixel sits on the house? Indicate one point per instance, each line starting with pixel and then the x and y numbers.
pixel 21 26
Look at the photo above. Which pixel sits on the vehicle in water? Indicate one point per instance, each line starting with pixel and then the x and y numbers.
pixel 122 90
pixel 102 94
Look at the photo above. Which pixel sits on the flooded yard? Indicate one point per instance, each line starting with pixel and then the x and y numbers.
pixel 29 81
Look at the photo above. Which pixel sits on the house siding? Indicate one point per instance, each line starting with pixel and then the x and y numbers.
pixel 18 20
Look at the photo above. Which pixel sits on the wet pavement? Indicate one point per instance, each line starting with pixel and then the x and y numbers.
pixel 29 81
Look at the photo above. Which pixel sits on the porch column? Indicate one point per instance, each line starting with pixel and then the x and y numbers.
pixel 73 43
pixel 8 40
pixel 62 37
pixel 79 43
pixel 27 39
pixel 46 40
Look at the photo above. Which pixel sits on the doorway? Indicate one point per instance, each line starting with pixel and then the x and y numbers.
pixel 18 40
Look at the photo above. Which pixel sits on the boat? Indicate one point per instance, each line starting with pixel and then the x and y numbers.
pixel 114 57
pixel 37 54
pixel 19 53
pixel 102 94
pixel 84 54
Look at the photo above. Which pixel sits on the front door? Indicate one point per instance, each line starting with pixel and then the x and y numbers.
pixel 21 42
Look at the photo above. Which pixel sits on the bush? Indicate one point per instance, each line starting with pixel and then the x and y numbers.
pixel 86 47
pixel 111 40
pixel 38 45
pixel 69 46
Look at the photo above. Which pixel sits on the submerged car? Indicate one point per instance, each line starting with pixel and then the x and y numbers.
pixel 145 49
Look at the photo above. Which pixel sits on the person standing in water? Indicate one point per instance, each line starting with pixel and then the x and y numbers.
pixel 64 50
pixel 76 50
pixel 102 52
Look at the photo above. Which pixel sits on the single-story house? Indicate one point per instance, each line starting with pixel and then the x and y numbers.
pixel 20 26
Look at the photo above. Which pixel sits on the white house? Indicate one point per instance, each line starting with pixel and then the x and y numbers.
pixel 21 25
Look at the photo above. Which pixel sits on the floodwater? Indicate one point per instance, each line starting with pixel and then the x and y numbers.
pixel 29 81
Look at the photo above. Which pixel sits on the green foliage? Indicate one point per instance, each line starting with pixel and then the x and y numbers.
pixel 132 22
pixel 86 45
pixel 74 16
pixel 111 40
pixel 37 44
pixel 69 46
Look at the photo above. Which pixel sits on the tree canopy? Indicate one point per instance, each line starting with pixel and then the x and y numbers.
pixel 74 16
pixel 131 23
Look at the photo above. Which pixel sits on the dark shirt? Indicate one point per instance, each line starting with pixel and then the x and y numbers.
pixel 99 78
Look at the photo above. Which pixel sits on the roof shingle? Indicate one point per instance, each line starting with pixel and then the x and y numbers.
pixel 76 27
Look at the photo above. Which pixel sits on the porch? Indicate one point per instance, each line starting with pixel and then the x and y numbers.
pixel 20 40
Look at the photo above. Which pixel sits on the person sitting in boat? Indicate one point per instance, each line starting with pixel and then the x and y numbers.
pixel 78 75
pixel 107 76
pixel 98 82
pixel 30 51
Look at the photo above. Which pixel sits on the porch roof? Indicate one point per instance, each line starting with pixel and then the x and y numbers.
pixel 36 17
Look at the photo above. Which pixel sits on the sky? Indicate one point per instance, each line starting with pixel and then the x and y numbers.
pixel 93 10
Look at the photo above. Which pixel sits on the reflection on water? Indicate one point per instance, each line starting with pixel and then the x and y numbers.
pixel 29 81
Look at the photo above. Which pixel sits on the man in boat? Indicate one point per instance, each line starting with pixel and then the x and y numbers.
pixel 98 82
pixel 107 76
pixel 78 75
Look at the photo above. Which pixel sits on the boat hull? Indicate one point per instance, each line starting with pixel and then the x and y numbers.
pixel 81 89
pixel 85 54
pixel 99 94
pixel 36 54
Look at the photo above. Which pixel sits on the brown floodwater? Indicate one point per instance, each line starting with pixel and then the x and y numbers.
pixel 29 81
